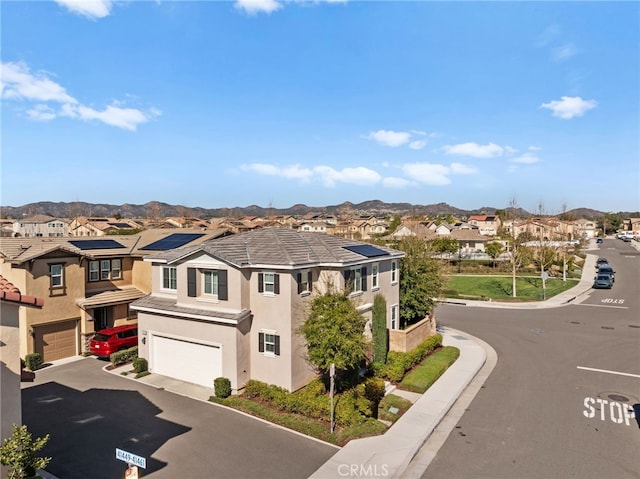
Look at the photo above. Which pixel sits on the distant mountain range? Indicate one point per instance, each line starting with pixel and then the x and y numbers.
pixel 158 209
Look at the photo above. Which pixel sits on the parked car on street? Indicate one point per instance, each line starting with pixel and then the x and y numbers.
pixel 607 269
pixel 111 340
pixel 603 281
pixel 601 261
pixel 599 241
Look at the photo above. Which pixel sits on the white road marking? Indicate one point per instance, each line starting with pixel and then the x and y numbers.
pixel 609 372
pixel 603 306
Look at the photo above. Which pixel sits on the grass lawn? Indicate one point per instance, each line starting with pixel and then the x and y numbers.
pixel 500 287
pixel 392 401
pixel 429 370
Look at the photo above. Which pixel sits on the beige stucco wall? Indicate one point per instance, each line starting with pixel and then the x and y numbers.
pixel 408 339
pixel 10 403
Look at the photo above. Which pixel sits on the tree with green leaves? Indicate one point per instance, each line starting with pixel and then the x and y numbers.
pixel 379 329
pixel 19 451
pixel 334 333
pixel 494 249
pixel 444 245
pixel 421 281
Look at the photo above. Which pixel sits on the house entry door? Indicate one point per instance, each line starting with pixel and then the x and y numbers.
pixel 102 318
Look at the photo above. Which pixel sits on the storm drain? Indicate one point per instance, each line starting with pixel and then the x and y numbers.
pixel 618 397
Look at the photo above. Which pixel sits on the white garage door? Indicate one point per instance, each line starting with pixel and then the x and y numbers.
pixel 185 360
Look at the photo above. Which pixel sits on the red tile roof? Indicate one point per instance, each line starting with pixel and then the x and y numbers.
pixel 9 292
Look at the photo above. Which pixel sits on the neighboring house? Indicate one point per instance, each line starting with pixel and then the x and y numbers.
pixel 632 224
pixel 232 306
pixel 11 302
pixel 88 284
pixel 101 226
pixel 487 224
pixel 40 226
pixel 470 240
pixel 584 228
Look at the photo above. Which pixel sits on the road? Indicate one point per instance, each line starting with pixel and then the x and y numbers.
pixel 560 400
pixel 89 413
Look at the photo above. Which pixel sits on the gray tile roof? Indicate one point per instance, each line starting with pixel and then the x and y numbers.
pixel 167 306
pixel 278 247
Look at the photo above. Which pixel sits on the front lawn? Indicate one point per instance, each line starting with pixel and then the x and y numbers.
pixel 501 287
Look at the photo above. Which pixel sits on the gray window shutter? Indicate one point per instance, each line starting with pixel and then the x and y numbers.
pixel 260 282
pixel 277 345
pixel 276 283
pixel 261 342
pixel 363 273
pixel 223 289
pixel 191 282
pixel 299 280
pixel 310 280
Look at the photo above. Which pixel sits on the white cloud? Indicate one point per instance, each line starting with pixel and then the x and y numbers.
pixel 41 113
pixel 17 82
pixel 329 176
pixel 389 138
pixel 418 144
pixel 253 7
pixel 563 52
pixel 428 173
pixel 460 169
pixel 509 150
pixel 534 148
pixel 547 36
pixel 355 176
pixel 126 118
pixel 527 158
pixel 394 182
pixel 474 149
pixel 88 8
pixel 569 107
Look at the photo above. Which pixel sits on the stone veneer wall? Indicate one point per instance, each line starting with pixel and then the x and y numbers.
pixel 407 339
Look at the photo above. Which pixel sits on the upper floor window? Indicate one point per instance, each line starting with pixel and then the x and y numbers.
pixel 169 277
pixel 394 271
pixel 105 269
pixel 210 282
pixel 355 279
pixel 56 272
pixel 304 279
pixel 374 276
pixel 269 283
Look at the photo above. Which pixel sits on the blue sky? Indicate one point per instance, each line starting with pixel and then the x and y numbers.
pixel 274 103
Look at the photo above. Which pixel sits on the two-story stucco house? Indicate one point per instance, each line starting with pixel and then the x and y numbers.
pixel 87 284
pixel 231 307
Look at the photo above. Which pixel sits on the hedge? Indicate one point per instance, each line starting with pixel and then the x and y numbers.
pixel 399 363
pixel 33 361
pixel 124 356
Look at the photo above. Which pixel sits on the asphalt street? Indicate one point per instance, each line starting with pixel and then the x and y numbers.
pixel 560 402
pixel 89 413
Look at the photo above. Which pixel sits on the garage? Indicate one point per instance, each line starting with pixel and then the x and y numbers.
pixel 185 359
pixel 56 340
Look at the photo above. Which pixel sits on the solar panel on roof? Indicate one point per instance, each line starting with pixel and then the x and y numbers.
pixel 172 241
pixel 96 244
pixel 366 250
pixel 120 225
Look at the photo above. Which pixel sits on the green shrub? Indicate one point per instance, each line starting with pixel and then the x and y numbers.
pixel 222 387
pixel 140 365
pixel 33 361
pixel 399 363
pixel 379 329
pixel 124 356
